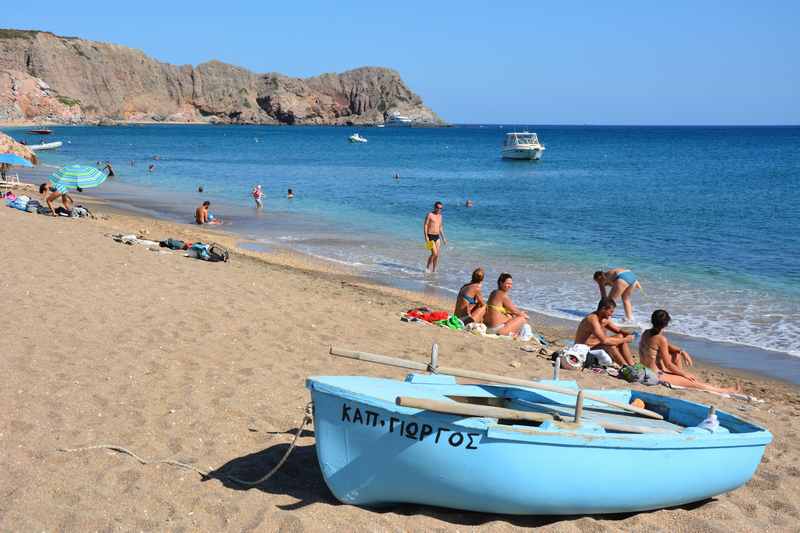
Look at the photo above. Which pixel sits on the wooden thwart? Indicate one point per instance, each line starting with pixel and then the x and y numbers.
pixel 463 373
pixel 485 411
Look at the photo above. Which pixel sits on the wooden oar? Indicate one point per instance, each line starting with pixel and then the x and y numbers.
pixel 485 411
pixel 463 373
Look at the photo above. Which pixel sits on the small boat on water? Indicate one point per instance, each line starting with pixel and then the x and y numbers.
pixel 522 145
pixel 523 448
pixel 356 138
pixel 40 132
pixel 396 120
pixel 45 146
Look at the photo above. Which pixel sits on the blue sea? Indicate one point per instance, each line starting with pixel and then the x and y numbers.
pixel 707 217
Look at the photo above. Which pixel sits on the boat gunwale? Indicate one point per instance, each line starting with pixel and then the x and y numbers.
pixel 655 441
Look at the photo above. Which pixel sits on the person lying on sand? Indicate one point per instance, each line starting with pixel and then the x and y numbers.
pixel 592 332
pixel 502 316
pixel 658 354
pixel 622 282
pixel 470 306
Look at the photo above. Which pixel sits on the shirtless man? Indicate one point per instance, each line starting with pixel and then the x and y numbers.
pixel 201 213
pixel 592 332
pixel 433 229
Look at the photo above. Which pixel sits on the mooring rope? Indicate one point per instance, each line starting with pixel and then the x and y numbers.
pixel 204 473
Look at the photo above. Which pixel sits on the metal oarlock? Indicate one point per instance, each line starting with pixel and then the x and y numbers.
pixel 434 364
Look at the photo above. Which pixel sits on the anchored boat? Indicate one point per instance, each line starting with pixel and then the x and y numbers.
pixel 45 146
pixel 522 145
pixel 521 447
pixel 356 138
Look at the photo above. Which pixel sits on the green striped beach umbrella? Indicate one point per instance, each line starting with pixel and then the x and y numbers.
pixel 76 177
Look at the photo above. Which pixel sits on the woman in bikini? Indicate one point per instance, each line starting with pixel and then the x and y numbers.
pixel 622 282
pixel 470 306
pixel 668 361
pixel 502 316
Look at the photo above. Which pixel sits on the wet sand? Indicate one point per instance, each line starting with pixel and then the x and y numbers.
pixel 205 363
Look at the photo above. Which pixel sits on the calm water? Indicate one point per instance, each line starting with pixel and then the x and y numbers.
pixel 707 217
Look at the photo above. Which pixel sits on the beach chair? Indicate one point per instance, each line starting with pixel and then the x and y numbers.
pixel 12 180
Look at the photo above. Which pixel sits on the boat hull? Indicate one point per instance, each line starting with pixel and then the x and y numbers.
pixel 522 153
pixel 373 453
pixel 46 146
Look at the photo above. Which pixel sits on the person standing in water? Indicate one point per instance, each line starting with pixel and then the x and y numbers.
pixel 433 230
pixel 257 196
pixel 622 282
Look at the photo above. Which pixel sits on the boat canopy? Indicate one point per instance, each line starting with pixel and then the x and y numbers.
pixel 521 138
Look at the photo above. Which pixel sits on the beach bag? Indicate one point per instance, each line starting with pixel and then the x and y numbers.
pixel 574 358
pixel 217 253
pixel 44 210
pixel 639 373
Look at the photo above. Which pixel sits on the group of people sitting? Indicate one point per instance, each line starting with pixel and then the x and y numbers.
pixel 596 330
pixel 499 313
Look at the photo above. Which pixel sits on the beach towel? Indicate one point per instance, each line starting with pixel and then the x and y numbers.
pixel 199 251
pixel 173 244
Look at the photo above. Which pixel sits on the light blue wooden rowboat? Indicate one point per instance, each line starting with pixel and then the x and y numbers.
pixel 375 452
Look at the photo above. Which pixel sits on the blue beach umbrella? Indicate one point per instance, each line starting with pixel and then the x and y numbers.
pixel 76 177
pixel 14 159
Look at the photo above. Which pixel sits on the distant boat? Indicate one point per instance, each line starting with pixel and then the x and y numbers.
pixel 398 120
pixel 522 145
pixel 45 146
pixel 380 125
pixel 40 132
pixel 356 138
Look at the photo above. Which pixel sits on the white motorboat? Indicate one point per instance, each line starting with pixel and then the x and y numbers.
pixel 522 145
pixel 356 138
pixel 45 146
pixel 397 120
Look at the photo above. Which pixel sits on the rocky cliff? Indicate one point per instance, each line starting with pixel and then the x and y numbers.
pixel 45 77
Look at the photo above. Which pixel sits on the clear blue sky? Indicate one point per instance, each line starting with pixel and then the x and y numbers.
pixel 617 62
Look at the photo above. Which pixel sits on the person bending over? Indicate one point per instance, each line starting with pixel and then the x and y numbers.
pixel 502 316
pixel 622 282
pixel 667 360
pixel 592 332
pixel 50 193
pixel 470 306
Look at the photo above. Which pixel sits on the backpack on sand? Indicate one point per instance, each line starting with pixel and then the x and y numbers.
pixel 217 253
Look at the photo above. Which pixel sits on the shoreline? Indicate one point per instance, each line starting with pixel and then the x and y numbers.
pixel 711 354
pixel 738 357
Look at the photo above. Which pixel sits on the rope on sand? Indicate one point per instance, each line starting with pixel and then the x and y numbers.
pixel 204 473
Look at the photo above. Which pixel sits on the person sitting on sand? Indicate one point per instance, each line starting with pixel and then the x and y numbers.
pixel 50 193
pixel 667 360
pixel 592 332
pixel 202 216
pixel 470 306
pixel 502 316
pixel 622 282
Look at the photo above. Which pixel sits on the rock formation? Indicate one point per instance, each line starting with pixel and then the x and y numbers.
pixel 44 77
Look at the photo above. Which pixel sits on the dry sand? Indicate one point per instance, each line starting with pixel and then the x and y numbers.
pixel 205 363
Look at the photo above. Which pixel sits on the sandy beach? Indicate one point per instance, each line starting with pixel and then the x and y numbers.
pixel 205 363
